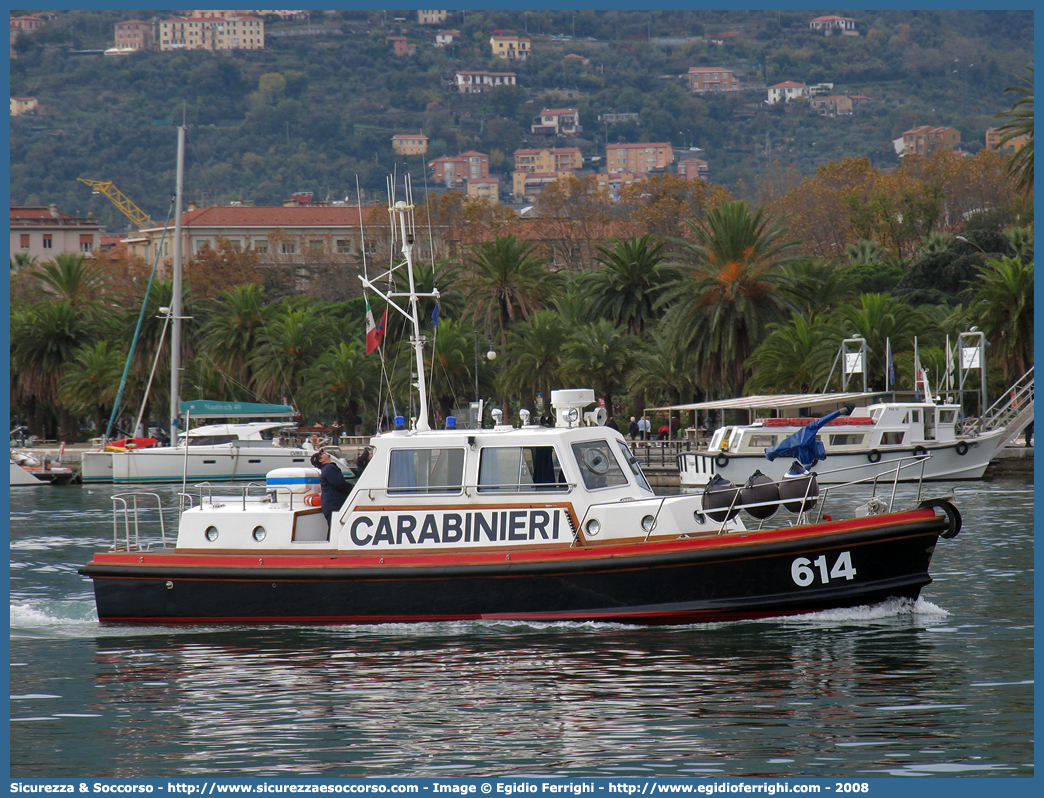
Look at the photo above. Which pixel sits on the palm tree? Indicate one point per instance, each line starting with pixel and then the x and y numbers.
pixel 92 381
pixel 881 319
pixel 451 365
pixel 599 355
pixel 291 342
pixel 77 280
pixel 506 283
pixel 816 286
pixel 663 369
pixel 536 348
pixel 1020 123
pixel 1002 306
pixel 628 284
pixel 44 341
pixel 237 323
pixel 338 383
pixel 730 291
pixel 795 356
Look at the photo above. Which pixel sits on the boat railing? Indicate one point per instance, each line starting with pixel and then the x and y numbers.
pixel 126 507
pixel 816 496
pixel 1012 403
pixel 485 489
pixel 252 492
pixel 661 454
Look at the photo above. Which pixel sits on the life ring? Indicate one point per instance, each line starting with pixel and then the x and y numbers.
pixel 873 456
pixel 313 500
pixel 919 451
pixel 953 516
pixel 721 460
pixel 962 448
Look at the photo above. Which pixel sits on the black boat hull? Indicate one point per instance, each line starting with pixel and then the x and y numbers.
pixel 665 586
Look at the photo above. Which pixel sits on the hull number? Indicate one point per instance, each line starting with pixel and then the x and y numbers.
pixel 804 571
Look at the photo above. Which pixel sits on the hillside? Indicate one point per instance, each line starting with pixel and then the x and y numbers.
pixel 316 110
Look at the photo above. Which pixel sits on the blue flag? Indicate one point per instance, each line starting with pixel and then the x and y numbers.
pixel 435 315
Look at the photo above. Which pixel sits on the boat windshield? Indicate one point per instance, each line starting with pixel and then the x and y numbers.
pixel 426 471
pixel 598 467
pixel 636 467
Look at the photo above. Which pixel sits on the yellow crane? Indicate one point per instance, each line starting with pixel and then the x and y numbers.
pixel 121 201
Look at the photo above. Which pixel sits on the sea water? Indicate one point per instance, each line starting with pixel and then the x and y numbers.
pixel 938 686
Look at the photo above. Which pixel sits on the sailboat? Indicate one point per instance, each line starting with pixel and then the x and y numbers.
pixel 244 450
pixel 515 522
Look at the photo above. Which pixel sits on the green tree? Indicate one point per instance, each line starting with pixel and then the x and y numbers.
pixel 730 290
pixel 795 356
pixel 535 363
pixel 92 381
pixel 506 283
pixel 236 326
pixel 600 355
pixel 339 383
pixel 292 341
pixel 1002 306
pixel 1020 123
pixel 631 279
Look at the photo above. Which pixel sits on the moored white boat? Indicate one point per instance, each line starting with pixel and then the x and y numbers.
pixel 515 522
pixel 212 452
pixel 28 469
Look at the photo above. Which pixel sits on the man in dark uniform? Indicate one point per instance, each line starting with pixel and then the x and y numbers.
pixel 335 488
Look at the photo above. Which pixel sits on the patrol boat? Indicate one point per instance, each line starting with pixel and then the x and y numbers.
pixel 524 522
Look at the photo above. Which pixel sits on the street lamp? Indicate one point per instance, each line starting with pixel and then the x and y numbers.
pixel 966 241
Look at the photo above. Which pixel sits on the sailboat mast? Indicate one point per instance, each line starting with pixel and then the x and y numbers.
pixel 175 305
pixel 402 209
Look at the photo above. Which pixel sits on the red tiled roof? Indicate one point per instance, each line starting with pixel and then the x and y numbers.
pixel 36 212
pixel 788 84
pixel 293 216
pixel 640 144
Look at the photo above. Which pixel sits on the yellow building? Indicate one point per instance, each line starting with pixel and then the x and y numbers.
pixel 23 105
pixel 638 158
pixel 993 141
pixel 410 144
pixel 548 159
pixel 212 30
pixel 487 188
pixel 432 17
pixel 510 47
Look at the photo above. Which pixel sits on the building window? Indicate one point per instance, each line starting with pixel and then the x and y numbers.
pixel 48 241
pixel 24 240
pixel 344 246
pixel 261 247
pixel 289 248
pixel 315 244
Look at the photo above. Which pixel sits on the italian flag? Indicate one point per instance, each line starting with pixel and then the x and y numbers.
pixel 374 332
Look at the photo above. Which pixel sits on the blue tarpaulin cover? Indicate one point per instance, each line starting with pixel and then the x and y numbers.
pixel 802 445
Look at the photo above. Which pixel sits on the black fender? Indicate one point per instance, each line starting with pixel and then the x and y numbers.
pixel 919 451
pixel 721 460
pixel 873 456
pixel 953 516
pixel 962 448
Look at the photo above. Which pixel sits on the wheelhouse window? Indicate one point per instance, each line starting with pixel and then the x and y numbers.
pixel 632 461
pixel 892 438
pixel 598 466
pixel 426 471
pixel 519 469
pixel 762 441
pixel 947 416
pixel 211 440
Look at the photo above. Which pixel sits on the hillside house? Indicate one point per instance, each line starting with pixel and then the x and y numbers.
pixel 410 143
pixel 455 171
pixel 694 169
pixel 639 159
pixel 549 159
pixel 993 141
pixel 557 121
pixel 23 105
pixel 133 34
pixel 829 25
pixel 833 105
pixel 509 47
pixel 444 38
pixel 480 82
pixel 26 24
pixel 212 30
pixel 786 91
pixel 43 232
pixel 401 46
pixel 711 79
pixel 432 17
pixel 924 139
pixel 487 188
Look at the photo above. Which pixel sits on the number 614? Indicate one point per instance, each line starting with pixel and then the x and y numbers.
pixel 803 573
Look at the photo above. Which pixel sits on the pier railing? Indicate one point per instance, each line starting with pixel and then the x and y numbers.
pixel 660 454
